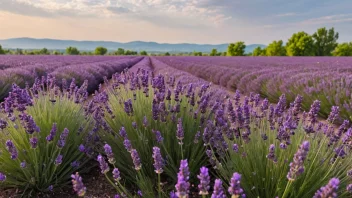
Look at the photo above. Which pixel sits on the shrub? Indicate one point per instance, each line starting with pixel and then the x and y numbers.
pixel 140 116
pixel 42 134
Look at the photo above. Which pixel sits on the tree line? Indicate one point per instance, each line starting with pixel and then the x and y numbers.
pixel 322 43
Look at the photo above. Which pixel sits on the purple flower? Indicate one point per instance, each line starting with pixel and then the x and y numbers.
pixel 134 125
pixel 173 194
pixel 50 188
pixel 29 124
pixel 145 121
pixel 12 149
pixel 116 174
pixel 128 107
pixel 180 132
pixel 197 137
pixel 328 191
pixel 104 167
pixel 123 132
pixel 271 154
pixel 334 114
pixel 297 165
pixel 23 164
pixel 139 192
pixel 128 145
pixel 204 181
pixel 218 191
pixel 75 164
pixel 109 153
pixel 78 185
pixel 63 137
pixel 3 124
pixel 349 188
pixel 34 142
pixel 52 134
pixel 81 148
pixel 235 187
pixel 117 196
pixel 235 148
pixel 136 160
pixel 182 186
pixel 159 137
pixel 2 177
pixel 58 160
pixel 158 160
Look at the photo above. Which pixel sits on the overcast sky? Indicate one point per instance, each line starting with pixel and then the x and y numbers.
pixel 173 21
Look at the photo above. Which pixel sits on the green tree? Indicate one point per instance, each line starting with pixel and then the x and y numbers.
pixel 44 51
pixel 100 51
pixel 143 53
pixel 167 54
pixel 72 51
pixel 343 49
pixel 276 48
pixel 258 51
pixel 300 44
pixel 236 49
pixel 214 52
pixel 325 41
pixel 120 51
pixel 57 53
pixel 197 53
pixel 1 50
pixel 224 54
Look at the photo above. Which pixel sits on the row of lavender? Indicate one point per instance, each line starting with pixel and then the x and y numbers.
pixel 21 70
pixel 327 79
pixel 155 136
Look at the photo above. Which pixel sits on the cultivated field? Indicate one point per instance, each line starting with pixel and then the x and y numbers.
pixel 175 126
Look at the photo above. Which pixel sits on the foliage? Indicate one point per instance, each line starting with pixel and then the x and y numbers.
pixel 300 44
pixel 276 48
pixel 214 52
pixel 1 50
pixel 343 49
pixel 258 51
pixel 143 53
pixel 100 51
pixel 325 41
pixel 41 132
pixel 72 51
pixel 120 51
pixel 236 49
pixel 197 53
pixel 167 54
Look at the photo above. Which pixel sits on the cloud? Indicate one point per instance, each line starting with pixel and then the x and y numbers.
pixel 23 9
pixel 339 18
pixel 118 10
pixel 288 14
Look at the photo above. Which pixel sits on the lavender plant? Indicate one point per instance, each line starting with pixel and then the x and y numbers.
pixel 282 153
pixel 156 117
pixel 41 130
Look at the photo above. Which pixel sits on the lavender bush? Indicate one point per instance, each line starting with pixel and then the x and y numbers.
pixel 156 117
pixel 43 136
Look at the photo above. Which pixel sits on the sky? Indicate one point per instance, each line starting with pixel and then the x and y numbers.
pixel 173 21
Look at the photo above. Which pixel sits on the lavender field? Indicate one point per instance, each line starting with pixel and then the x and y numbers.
pixel 175 126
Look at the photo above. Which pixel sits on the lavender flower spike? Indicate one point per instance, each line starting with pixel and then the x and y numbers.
pixel 235 189
pixel 109 153
pixel 204 179
pixel 104 167
pixel 158 160
pixel 218 191
pixel 12 149
pixel 182 186
pixel 329 190
pixel 78 185
pixel 116 174
pixel 297 166
pixel 52 134
pixel 136 160
pixel 2 177
pixel 271 154
pixel 180 132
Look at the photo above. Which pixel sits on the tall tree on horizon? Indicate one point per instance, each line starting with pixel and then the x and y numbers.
pixel 325 41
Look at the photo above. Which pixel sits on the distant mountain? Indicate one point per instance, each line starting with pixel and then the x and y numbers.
pixel 31 43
